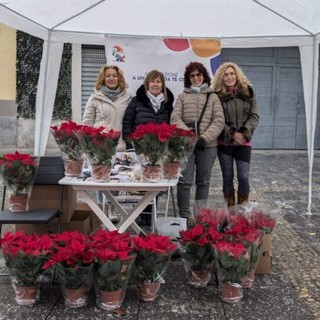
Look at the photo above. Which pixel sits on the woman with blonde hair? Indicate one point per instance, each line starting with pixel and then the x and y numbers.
pixel 108 103
pixel 241 119
pixel 106 107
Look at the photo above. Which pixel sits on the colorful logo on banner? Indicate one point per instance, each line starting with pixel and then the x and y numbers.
pixel 118 53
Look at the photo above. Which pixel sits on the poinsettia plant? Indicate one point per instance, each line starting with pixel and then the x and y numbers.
pixel 66 139
pixel 18 171
pixel 74 258
pixel 181 143
pixel 232 261
pixel 113 257
pixel 216 218
pixel 153 255
pixel 25 256
pixel 247 234
pixel 195 249
pixel 263 221
pixel 98 145
pixel 151 140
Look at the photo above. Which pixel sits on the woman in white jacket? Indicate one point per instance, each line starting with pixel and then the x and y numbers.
pixel 109 101
pixel 106 107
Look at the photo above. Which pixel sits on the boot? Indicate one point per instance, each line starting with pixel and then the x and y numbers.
pixel 242 197
pixel 230 199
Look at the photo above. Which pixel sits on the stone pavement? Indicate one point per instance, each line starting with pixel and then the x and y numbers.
pixel 290 292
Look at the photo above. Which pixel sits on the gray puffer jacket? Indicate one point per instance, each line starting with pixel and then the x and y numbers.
pixel 188 109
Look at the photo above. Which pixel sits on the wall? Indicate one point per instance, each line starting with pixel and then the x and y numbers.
pixel 8 125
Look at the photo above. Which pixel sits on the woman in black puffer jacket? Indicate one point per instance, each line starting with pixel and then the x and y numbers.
pixel 153 103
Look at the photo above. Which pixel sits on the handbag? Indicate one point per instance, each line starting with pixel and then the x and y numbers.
pixel 195 126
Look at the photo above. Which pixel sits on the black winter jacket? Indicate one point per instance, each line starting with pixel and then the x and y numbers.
pixel 140 111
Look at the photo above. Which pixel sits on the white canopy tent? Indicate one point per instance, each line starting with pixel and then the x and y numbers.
pixel 238 23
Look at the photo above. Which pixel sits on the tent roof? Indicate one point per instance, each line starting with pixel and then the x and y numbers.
pixel 239 23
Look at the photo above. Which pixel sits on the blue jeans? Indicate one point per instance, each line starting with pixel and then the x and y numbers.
pixel 200 164
pixel 227 157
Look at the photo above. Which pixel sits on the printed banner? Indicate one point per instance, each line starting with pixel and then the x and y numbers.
pixel 137 56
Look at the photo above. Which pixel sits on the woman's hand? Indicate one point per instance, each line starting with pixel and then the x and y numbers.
pixel 239 138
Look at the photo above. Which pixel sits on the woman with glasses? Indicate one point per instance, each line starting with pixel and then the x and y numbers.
pixel 242 117
pixel 198 108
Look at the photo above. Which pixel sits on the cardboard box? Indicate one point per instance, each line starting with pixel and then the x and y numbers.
pixel 96 223
pixel 48 196
pixel 265 263
pixel 81 221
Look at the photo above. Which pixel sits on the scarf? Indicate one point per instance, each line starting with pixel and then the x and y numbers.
pixel 155 101
pixel 110 93
pixel 199 89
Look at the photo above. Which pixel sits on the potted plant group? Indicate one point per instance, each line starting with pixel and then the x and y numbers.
pixel 114 258
pixel 68 143
pixel 180 145
pixel 153 255
pixel 196 254
pixel 74 260
pixel 18 172
pixel 25 256
pixel 150 141
pixel 99 147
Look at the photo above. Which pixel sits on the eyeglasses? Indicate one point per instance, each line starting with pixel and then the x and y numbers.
pixel 193 75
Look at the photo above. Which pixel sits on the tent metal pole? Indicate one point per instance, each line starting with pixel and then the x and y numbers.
pixel 312 119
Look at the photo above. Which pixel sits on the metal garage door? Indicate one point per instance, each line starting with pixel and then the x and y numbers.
pixel 93 58
pixel 276 77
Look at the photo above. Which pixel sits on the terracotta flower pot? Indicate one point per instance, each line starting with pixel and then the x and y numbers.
pixel 75 298
pixel 230 293
pixel 110 300
pixel 152 173
pixel 73 168
pixel 170 170
pixel 199 278
pixel 26 296
pixel 101 172
pixel 19 203
pixel 148 291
